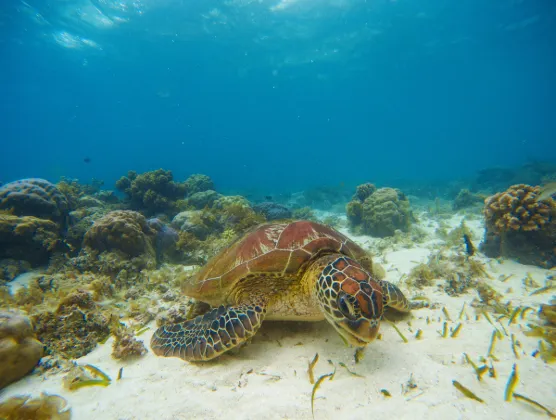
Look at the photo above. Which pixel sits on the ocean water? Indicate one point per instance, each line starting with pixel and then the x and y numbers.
pixel 276 95
pixel 328 157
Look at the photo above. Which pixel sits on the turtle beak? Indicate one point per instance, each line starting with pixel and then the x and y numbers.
pixel 357 333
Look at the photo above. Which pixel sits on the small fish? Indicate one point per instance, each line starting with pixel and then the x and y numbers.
pixel 87 160
pixel 547 191
pixel 268 197
pixel 469 247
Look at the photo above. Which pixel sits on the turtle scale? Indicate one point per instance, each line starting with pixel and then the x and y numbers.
pixel 277 250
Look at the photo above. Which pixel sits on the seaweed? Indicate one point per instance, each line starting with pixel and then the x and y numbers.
pixel 419 334
pixel 456 330
pixel 511 384
pixel 398 331
pixel 349 371
pixel 446 314
pixel 319 381
pixel 479 371
pixel 514 346
pixel 465 391
pixel 542 290
pixel 535 404
pixel 311 367
pixel 444 332
pixel 462 312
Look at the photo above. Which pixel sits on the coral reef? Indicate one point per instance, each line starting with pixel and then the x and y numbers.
pixel 123 230
pixel 364 190
pixel 379 212
pixel 34 197
pixel 198 183
pixel 304 213
pixel 75 327
pixel 520 226
pixel 273 211
pixel 153 191
pixel 165 240
pixel 126 346
pixel 44 407
pixel 202 199
pixel 10 269
pixel 466 198
pixel 20 351
pixel 28 238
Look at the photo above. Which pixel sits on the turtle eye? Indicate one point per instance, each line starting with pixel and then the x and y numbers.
pixel 348 306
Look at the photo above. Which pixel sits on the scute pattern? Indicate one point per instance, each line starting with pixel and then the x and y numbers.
pixel 280 248
pixel 207 336
pixel 346 275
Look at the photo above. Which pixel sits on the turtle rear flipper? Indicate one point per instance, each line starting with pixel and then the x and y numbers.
pixel 208 336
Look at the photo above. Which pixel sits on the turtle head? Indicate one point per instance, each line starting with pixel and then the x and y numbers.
pixel 349 298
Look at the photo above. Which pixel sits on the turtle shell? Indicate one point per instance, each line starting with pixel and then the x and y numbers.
pixel 273 250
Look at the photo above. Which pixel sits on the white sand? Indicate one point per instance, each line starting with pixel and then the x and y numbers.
pixel 278 386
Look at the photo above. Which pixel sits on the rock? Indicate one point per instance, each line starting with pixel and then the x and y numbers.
pixel 20 351
pixel 273 211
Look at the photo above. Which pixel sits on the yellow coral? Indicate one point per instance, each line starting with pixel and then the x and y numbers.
pixel 518 209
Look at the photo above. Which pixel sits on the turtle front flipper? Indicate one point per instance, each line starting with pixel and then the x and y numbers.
pixel 394 298
pixel 208 336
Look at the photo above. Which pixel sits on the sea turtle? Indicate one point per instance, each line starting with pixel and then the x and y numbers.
pixel 302 271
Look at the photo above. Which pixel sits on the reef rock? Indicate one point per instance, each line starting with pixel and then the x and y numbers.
pixel 520 226
pixel 379 212
pixel 198 183
pixel 273 211
pixel 123 230
pixel 466 198
pixel 200 200
pixel 75 328
pixel 153 191
pixel 20 351
pixel 28 238
pixel 34 197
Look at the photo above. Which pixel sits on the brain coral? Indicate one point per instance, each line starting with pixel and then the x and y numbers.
pixel 385 211
pixel 34 197
pixel 517 209
pixel 20 351
pixel 123 230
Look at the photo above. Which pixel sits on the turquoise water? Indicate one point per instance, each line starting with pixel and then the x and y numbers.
pixel 276 95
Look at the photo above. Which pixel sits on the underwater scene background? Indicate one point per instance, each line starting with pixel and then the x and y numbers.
pixel 374 178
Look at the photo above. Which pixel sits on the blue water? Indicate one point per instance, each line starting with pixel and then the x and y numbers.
pixel 276 95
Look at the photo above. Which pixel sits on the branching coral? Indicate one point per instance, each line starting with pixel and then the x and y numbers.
pixel 152 191
pixel 518 209
pixel 520 226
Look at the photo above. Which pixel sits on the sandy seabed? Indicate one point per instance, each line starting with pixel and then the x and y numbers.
pixel 268 379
